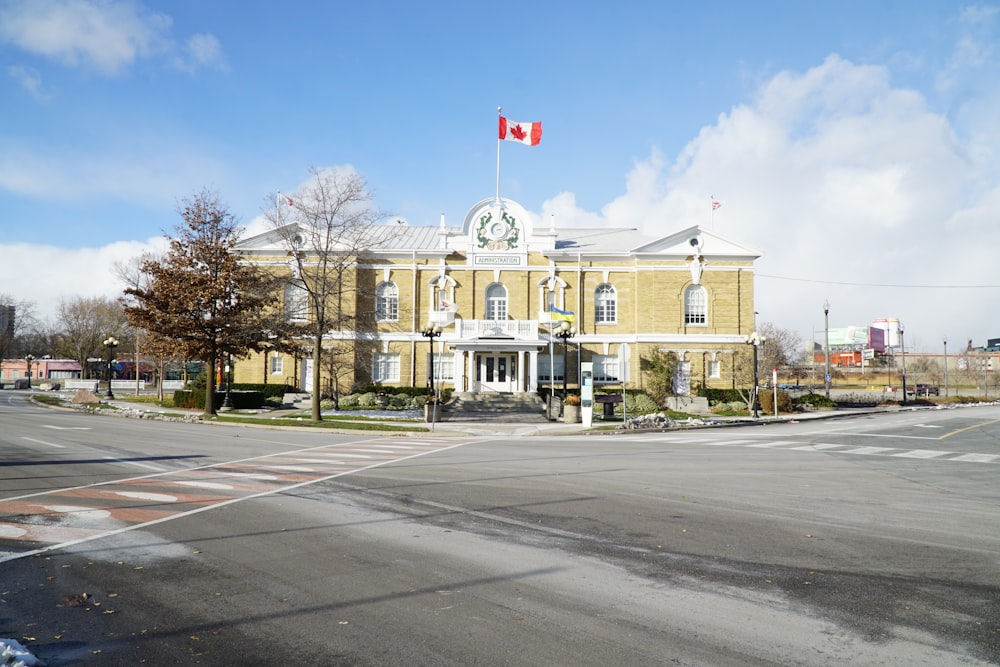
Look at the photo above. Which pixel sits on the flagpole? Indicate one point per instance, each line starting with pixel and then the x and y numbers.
pixel 499 109
pixel 712 204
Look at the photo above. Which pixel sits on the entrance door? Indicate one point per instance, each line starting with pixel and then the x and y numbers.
pixel 496 371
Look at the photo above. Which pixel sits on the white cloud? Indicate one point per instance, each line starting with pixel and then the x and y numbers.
pixel 201 51
pixel 847 184
pixel 106 37
pixel 46 274
pixel 30 79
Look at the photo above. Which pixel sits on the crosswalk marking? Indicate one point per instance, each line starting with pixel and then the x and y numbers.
pixel 923 453
pixel 818 447
pixel 977 458
pixel 869 450
pixel 838 448
pixel 39 522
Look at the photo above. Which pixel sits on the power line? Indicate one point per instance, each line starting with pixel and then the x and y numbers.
pixel 850 284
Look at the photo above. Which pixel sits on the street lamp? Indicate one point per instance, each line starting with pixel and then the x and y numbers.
pixel 756 340
pixel 111 343
pixel 564 331
pixel 430 332
pixel 902 354
pixel 826 349
pixel 28 358
pixel 227 400
pixel 946 367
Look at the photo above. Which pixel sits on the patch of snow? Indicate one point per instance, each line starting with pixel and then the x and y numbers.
pixel 12 654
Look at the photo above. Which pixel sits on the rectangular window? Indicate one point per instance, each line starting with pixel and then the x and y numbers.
pixel 296 303
pixel 444 366
pixel 277 364
pixel 714 369
pixel 606 368
pixel 543 368
pixel 385 367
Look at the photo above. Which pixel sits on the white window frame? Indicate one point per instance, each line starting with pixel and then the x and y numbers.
pixel 385 367
pixel 695 306
pixel 276 364
pixel 387 302
pixel 296 302
pixel 605 304
pixel 496 305
pixel 607 368
pixel 714 369
pixel 444 366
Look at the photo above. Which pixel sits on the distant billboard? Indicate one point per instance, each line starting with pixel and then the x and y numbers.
pixel 876 339
pixel 852 336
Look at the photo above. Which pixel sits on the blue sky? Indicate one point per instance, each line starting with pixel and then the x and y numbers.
pixel 854 143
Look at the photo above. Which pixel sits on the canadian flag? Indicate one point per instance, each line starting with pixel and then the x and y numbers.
pixel 526 133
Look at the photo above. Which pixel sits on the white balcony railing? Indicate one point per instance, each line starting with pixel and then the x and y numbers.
pixel 518 329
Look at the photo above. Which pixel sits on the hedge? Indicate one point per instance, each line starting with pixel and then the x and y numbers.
pixel 241 400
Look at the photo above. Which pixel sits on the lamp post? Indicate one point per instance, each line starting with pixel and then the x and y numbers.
pixel 227 400
pixel 430 332
pixel 946 367
pixel 826 349
pixel 756 340
pixel 564 331
pixel 28 358
pixel 902 355
pixel 111 343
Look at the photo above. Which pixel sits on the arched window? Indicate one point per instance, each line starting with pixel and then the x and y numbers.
pixel 605 304
pixel 496 302
pixel 386 302
pixel 296 302
pixel 695 305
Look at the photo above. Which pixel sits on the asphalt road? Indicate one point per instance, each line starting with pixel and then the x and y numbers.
pixel 865 541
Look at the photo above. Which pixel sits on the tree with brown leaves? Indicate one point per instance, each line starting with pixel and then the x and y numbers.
pixel 199 294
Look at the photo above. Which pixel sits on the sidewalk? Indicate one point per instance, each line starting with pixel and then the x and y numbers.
pixel 513 429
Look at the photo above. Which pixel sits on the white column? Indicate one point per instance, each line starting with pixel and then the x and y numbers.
pixel 520 371
pixel 459 366
pixel 533 371
pixel 471 371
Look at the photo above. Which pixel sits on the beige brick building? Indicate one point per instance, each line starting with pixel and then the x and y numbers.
pixel 497 287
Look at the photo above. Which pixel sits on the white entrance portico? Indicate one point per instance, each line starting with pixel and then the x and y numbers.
pixel 496 365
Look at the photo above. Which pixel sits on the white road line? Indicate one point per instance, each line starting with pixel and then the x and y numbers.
pixel 869 450
pixel 818 447
pixel 42 442
pixel 137 464
pixel 976 458
pixel 717 443
pixel 776 443
pixel 922 454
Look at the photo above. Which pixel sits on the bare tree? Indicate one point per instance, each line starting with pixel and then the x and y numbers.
pixel 83 323
pixel 155 346
pixel 333 223
pixel 781 349
pixel 199 296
